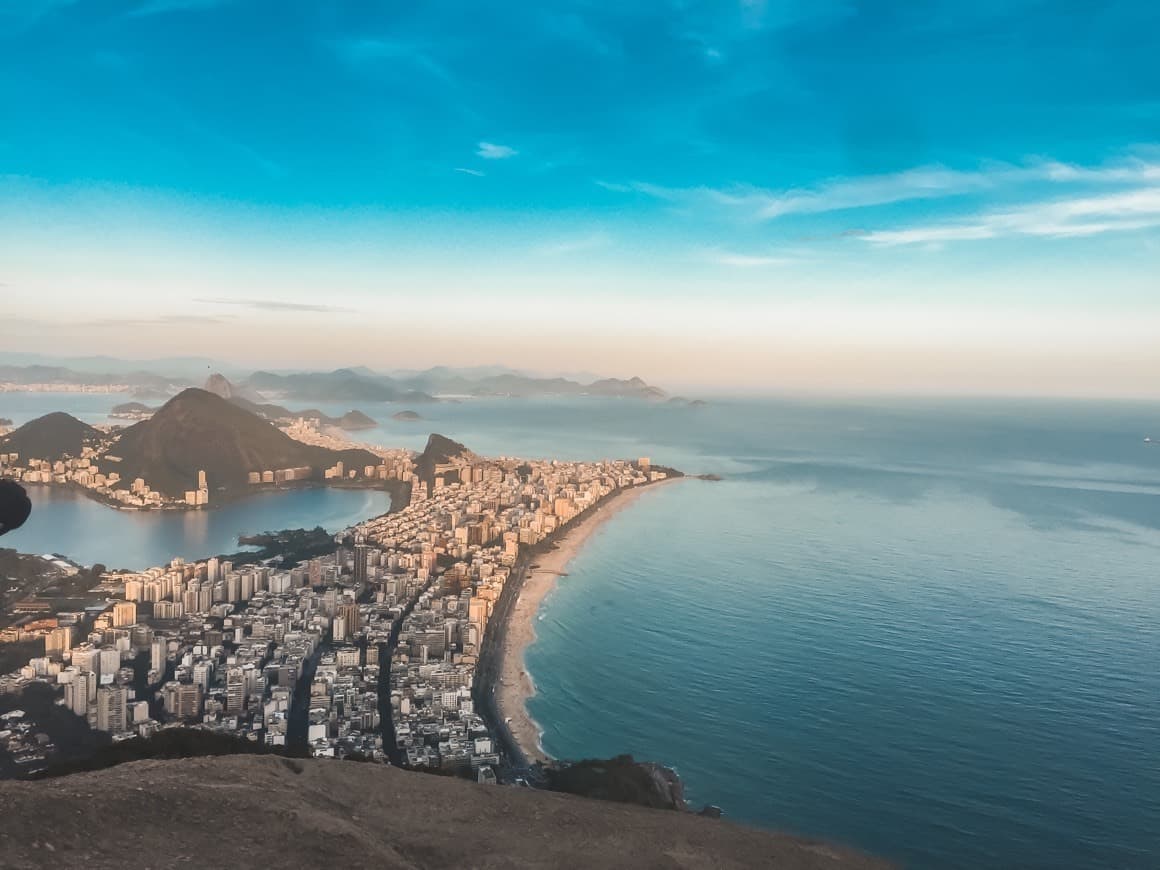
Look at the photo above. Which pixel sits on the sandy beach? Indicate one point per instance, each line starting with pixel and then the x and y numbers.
pixel 515 684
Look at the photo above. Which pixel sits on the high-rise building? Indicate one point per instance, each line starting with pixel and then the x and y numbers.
pixel 351 618
pixel 124 613
pixel 110 663
pixel 361 557
pixel 158 653
pixel 58 642
pixel 111 709
pixel 182 700
pixel 235 690
pixel 76 693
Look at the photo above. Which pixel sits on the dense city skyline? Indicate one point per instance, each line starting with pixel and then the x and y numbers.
pixel 751 197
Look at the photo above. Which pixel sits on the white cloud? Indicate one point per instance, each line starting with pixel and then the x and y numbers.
pixel 1062 218
pixel 744 261
pixel 563 247
pixel 161 7
pixel 491 151
pixel 363 52
pixel 467 171
pixel 919 183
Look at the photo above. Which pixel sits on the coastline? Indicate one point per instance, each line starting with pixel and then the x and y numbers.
pixel 514 685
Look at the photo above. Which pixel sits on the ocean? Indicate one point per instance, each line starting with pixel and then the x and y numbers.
pixel 927 629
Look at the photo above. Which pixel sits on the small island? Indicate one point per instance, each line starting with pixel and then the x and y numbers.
pixel 354 420
pixel 406 416
pixel 290 546
pixel 132 411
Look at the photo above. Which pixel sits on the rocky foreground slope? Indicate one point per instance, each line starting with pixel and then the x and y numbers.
pixel 288 813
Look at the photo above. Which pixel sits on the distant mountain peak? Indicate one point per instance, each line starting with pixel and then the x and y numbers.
pixel 219 385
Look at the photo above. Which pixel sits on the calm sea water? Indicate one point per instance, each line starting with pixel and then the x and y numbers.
pixel 929 630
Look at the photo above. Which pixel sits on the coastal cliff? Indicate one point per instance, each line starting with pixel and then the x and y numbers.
pixel 250 811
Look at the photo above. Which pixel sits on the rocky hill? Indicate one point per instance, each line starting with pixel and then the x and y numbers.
pixel 219 385
pixel 439 451
pixel 198 430
pixel 247 811
pixel 353 420
pixel 51 437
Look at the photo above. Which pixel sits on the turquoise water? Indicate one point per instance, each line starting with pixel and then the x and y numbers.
pixel 929 630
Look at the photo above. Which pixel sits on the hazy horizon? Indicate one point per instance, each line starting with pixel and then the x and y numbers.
pixel 756 197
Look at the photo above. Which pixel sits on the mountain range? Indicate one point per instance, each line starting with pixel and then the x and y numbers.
pixel 346 384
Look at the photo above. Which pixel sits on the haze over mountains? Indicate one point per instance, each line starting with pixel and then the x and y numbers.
pixel 165 377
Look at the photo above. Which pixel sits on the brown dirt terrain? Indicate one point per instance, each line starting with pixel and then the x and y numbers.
pixel 275 812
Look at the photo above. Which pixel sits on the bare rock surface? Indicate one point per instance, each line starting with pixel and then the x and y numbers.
pixel 274 812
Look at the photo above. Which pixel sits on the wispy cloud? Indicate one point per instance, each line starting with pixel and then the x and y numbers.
pixel 919 183
pixel 563 247
pixel 161 7
pixel 1060 218
pixel 492 151
pixel 573 28
pixel 276 305
pixel 20 14
pixel 477 173
pixel 361 52
pixel 161 320
pixel 656 191
pixel 736 260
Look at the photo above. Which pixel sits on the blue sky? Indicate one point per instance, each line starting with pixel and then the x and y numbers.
pixel 838 194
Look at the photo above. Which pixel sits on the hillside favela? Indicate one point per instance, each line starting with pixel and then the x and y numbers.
pixel 579 435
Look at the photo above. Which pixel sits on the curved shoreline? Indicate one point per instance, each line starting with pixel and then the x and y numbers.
pixel 514 684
